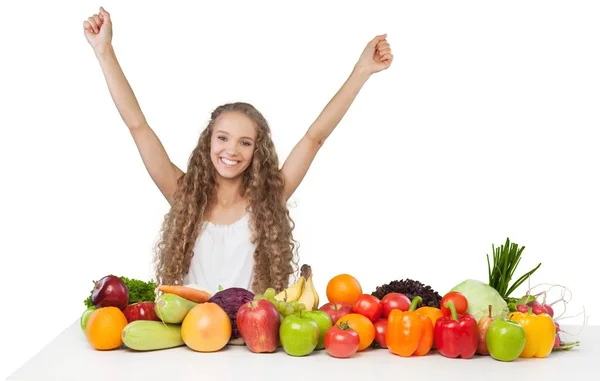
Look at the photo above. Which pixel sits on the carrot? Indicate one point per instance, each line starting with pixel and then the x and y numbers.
pixel 188 293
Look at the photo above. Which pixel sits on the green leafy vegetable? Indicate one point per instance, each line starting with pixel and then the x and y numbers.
pixel 506 258
pixel 480 296
pixel 139 291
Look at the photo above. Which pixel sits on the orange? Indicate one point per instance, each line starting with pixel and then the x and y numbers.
pixel 104 327
pixel 206 328
pixel 343 288
pixel 362 325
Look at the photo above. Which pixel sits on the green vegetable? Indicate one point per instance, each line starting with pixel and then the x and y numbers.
pixel 171 308
pixel 148 335
pixel 480 296
pixel 506 258
pixel 139 291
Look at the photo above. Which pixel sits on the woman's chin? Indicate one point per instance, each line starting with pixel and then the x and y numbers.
pixel 229 174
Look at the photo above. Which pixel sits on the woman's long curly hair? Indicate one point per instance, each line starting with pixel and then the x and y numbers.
pixel 262 187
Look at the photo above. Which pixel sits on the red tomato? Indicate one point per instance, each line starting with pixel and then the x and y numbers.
pixel 459 301
pixel 341 341
pixel 394 301
pixel 368 306
pixel 380 329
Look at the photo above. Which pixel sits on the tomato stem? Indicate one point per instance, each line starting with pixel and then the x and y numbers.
pixel 344 325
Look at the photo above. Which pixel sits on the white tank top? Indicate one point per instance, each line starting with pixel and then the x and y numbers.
pixel 223 257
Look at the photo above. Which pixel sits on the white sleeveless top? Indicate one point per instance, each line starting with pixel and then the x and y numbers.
pixel 223 257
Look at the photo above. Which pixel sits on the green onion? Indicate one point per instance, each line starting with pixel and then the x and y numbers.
pixel 506 258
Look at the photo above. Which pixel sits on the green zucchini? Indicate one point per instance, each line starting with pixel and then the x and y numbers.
pixel 149 335
pixel 172 308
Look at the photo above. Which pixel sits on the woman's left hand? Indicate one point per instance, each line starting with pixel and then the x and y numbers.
pixel 377 55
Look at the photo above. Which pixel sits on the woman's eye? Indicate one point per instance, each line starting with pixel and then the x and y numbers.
pixel 222 138
pixel 246 144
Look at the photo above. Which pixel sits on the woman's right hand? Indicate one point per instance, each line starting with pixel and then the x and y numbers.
pixel 98 29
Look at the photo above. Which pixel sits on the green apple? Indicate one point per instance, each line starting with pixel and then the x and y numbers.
pixel 323 321
pixel 505 340
pixel 298 334
pixel 85 316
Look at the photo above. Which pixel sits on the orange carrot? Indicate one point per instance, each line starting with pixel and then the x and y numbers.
pixel 188 293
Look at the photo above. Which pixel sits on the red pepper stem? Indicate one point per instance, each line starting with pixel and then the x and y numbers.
pixel 415 302
pixel 452 308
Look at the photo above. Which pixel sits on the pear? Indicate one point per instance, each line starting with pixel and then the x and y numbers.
pixel 310 297
pixel 293 292
pixel 482 327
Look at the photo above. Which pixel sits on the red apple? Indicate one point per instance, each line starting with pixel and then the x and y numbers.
pixel 258 322
pixel 336 310
pixel 394 301
pixel 140 311
pixel 110 291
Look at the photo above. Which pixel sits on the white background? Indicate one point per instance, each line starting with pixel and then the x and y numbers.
pixel 485 127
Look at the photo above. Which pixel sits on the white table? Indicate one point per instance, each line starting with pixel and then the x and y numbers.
pixel 69 357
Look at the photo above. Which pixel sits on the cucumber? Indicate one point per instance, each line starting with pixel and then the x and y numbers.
pixel 172 308
pixel 149 335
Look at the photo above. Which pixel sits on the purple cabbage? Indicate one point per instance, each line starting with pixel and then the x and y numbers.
pixel 230 300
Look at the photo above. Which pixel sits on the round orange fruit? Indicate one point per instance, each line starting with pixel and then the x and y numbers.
pixel 343 288
pixel 206 328
pixel 362 325
pixel 104 328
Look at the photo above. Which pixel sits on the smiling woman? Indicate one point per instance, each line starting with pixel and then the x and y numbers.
pixel 233 144
pixel 229 225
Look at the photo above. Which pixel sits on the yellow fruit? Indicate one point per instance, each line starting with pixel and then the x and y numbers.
pixel 310 297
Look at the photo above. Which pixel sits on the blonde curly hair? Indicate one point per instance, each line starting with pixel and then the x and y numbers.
pixel 262 187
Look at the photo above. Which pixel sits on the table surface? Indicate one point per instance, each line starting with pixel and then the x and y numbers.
pixel 69 357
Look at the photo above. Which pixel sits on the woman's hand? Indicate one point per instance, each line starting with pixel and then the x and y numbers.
pixel 377 55
pixel 98 29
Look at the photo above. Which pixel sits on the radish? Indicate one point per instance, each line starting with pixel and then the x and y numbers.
pixel 522 308
pixel 542 306
pixel 538 309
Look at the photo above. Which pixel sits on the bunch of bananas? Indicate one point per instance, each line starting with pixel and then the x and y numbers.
pixel 299 296
pixel 303 291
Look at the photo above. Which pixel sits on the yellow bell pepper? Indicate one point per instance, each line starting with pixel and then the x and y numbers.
pixel 540 332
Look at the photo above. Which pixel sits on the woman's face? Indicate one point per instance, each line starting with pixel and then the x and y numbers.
pixel 232 144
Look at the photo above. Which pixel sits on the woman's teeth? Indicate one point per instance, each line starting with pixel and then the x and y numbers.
pixel 229 162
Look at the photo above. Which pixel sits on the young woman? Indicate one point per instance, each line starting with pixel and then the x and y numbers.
pixel 228 223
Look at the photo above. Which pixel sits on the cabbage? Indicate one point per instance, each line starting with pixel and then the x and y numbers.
pixel 230 300
pixel 479 296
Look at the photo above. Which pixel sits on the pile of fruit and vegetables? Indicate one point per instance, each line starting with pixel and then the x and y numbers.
pixel 403 317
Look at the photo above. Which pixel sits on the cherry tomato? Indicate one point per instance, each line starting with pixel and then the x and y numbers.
pixel 394 301
pixel 459 300
pixel 380 329
pixel 341 341
pixel 368 306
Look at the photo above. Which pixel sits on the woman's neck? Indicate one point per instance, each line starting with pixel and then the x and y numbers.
pixel 229 192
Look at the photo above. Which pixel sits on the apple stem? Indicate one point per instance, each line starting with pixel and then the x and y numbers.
pixel 490 310
pixel 452 308
pixel 415 302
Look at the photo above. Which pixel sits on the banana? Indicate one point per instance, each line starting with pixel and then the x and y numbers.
pixel 309 297
pixel 293 292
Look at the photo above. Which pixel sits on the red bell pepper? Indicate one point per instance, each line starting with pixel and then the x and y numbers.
pixel 456 335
